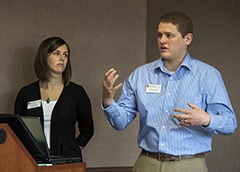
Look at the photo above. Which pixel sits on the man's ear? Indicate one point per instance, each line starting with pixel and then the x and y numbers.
pixel 188 38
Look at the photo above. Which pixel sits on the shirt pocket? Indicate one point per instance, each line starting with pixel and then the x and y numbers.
pixel 183 101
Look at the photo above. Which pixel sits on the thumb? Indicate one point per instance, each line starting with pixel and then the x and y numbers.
pixel 193 106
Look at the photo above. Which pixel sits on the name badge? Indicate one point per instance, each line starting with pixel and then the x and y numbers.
pixel 34 104
pixel 153 88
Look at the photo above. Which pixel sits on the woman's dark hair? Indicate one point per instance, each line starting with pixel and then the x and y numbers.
pixel 182 21
pixel 41 67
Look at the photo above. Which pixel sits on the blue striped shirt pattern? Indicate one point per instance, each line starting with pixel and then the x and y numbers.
pixel 195 82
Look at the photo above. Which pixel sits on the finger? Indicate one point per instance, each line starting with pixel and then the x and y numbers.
pixel 185 124
pixel 111 77
pixel 181 117
pixel 117 87
pixel 193 106
pixel 182 123
pixel 180 120
pixel 181 110
pixel 187 121
pixel 109 74
pixel 109 71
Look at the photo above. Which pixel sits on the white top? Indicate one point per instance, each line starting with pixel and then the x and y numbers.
pixel 171 72
pixel 47 113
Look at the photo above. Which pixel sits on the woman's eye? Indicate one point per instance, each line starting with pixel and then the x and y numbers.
pixel 56 53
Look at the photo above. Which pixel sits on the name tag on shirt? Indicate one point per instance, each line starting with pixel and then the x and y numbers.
pixel 34 104
pixel 153 88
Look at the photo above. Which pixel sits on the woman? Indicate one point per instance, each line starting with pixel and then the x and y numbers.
pixel 59 102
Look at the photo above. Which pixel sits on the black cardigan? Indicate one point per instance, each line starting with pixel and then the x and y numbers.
pixel 72 106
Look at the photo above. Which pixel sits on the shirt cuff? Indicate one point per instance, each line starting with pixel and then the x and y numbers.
pixel 213 123
pixel 109 107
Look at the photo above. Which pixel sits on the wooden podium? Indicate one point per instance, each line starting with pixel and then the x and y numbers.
pixel 16 158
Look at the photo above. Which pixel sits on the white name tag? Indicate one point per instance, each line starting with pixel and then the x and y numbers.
pixel 34 104
pixel 153 88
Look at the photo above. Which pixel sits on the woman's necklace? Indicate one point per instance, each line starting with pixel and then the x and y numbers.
pixel 52 94
pixel 48 100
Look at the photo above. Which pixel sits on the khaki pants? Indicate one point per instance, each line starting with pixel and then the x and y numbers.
pixel 148 164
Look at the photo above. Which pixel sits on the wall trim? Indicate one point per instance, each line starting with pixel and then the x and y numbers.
pixel 110 169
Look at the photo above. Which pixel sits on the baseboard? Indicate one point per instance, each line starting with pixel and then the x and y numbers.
pixel 110 169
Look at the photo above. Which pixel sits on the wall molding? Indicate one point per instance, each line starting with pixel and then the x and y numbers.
pixel 110 169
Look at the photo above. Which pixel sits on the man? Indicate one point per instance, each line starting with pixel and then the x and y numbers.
pixel 181 102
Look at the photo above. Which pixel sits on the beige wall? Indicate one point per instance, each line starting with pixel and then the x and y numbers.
pixel 101 34
pixel 115 33
pixel 217 42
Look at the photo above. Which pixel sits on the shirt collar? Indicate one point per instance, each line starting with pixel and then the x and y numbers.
pixel 185 63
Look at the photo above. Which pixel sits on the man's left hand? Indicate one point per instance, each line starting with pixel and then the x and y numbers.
pixel 192 117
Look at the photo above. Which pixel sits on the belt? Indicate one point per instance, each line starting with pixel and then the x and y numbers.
pixel 167 157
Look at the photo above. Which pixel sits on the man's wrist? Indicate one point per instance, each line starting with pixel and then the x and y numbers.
pixel 208 121
pixel 106 104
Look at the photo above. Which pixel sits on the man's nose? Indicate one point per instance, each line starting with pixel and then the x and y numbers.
pixel 162 39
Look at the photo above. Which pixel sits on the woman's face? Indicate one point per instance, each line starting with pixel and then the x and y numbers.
pixel 57 60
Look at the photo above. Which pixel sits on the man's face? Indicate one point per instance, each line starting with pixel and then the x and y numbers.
pixel 171 44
